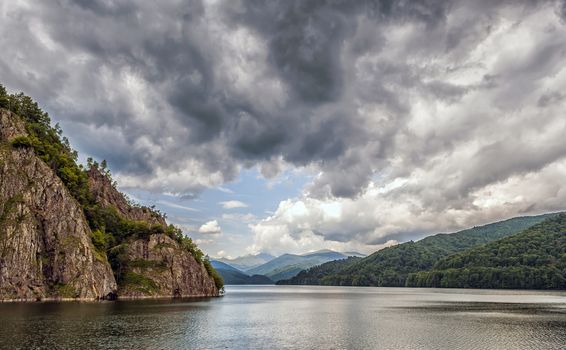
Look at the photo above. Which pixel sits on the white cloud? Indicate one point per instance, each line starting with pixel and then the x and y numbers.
pixel 393 211
pixel 177 206
pixel 223 254
pixel 483 140
pixel 201 241
pixel 211 227
pixel 224 189
pixel 233 204
pixel 245 218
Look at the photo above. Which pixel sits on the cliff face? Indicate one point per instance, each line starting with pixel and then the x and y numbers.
pixel 10 126
pixel 106 195
pixel 45 246
pixel 159 267
pixel 46 250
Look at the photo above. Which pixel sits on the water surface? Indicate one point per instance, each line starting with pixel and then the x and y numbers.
pixel 297 317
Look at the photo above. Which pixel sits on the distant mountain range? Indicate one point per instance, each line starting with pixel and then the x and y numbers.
pixel 288 265
pixel 246 270
pixel 249 261
pixel 522 252
pixel 232 275
pixel 480 257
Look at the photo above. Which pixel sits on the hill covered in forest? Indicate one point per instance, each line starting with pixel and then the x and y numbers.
pixel 391 266
pixel 232 275
pixel 532 259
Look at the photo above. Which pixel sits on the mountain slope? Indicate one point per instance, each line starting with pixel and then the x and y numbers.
pixel 313 275
pixel 45 246
pixel 532 259
pixel 391 266
pixel 246 262
pixel 149 258
pixel 231 275
pixel 67 232
pixel 288 265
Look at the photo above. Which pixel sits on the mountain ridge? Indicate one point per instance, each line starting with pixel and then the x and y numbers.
pixel 232 275
pixel 249 261
pixel 288 265
pixel 532 259
pixel 391 266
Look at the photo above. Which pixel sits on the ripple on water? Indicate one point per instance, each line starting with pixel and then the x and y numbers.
pixel 270 317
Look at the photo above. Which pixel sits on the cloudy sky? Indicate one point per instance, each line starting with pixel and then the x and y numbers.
pixel 290 126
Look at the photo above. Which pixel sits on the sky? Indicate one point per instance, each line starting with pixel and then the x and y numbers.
pixel 293 126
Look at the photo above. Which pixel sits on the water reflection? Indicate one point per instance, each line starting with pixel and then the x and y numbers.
pixel 268 317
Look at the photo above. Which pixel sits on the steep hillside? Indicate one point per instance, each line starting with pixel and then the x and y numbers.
pixel 532 259
pixel 149 258
pixel 105 194
pixel 315 274
pixel 158 266
pixel 231 275
pixel 66 232
pixel 391 266
pixel 45 246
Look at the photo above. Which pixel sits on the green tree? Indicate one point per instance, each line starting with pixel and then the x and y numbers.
pixel 4 97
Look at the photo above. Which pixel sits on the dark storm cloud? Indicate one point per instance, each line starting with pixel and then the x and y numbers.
pixel 561 9
pixel 213 87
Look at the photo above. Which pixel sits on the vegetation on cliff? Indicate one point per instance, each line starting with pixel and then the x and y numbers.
pixel 391 266
pixel 110 230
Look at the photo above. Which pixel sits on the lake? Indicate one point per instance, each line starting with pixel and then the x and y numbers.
pixel 297 317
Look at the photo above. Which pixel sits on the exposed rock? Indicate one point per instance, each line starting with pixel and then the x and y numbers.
pixel 157 266
pixel 46 250
pixel 10 127
pixel 45 246
pixel 160 267
pixel 107 195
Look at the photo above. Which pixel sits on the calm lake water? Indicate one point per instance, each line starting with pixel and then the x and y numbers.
pixel 296 317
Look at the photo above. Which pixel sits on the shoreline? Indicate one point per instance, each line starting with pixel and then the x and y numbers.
pixel 95 300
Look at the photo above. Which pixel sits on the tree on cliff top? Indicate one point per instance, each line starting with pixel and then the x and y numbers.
pixel 108 227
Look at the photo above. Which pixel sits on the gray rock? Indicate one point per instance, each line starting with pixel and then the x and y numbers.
pixel 45 246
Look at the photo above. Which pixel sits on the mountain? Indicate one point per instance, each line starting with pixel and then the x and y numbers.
pixel 66 232
pixel 249 261
pixel 288 265
pixel 45 246
pixel 332 253
pixel 532 259
pixel 149 258
pixel 391 266
pixel 232 275
pixel 313 275
pixel 356 254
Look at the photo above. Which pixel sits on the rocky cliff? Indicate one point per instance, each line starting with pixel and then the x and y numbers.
pixel 45 246
pixel 49 249
pixel 105 194
pixel 153 266
pixel 159 267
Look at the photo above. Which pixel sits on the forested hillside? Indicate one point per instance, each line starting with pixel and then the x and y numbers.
pixel 315 275
pixel 391 266
pixel 232 275
pixel 532 259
